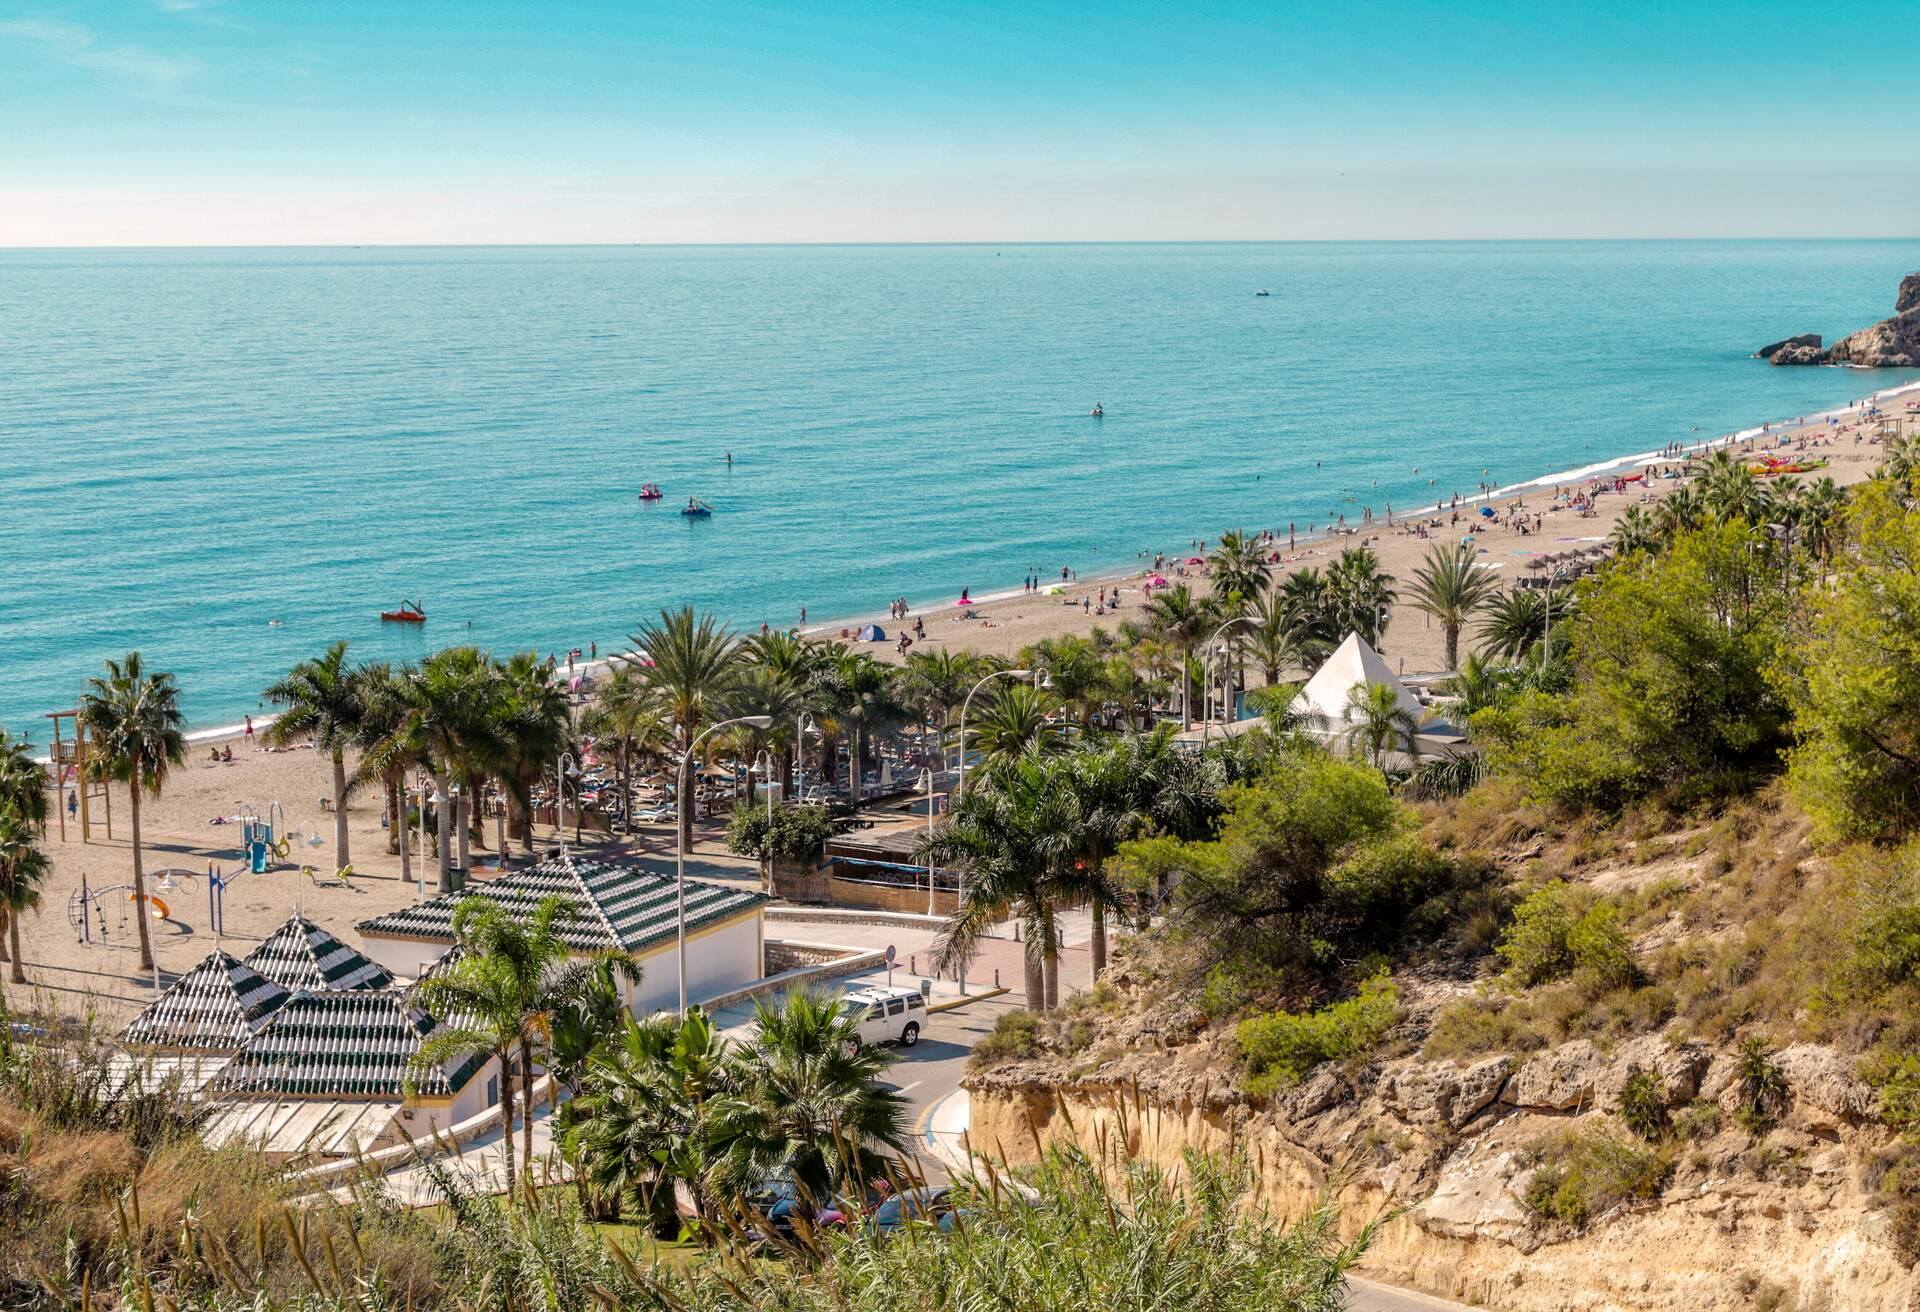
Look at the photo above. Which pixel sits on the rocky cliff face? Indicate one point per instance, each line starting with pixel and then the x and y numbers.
pixel 1891 343
pixel 1451 1152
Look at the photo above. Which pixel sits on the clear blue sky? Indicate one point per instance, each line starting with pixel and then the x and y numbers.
pixel 216 121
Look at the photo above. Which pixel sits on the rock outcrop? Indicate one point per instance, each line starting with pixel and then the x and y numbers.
pixel 1772 349
pixel 1891 343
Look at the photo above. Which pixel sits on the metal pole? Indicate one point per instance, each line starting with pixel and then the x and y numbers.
pixel 930 910
pixel 960 787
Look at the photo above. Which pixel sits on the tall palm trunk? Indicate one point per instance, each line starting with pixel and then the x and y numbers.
pixel 140 872
pixel 1453 645
pixel 855 744
pixel 13 938
pixel 6 918
pixel 398 832
pixel 1099 939
pixel 396 804
pixel 683 796
pixel 462 810
pixel 526 1109
pixel 503 1058
pixel 1051 955
pixel 340 808
pixel 1034 962
pixel 442 832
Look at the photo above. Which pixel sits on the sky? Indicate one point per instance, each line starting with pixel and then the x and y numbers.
pixel 231 122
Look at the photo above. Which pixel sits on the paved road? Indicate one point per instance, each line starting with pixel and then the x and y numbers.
pixel 1368 1296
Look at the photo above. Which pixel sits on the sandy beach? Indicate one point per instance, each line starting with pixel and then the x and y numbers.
pixel 102 978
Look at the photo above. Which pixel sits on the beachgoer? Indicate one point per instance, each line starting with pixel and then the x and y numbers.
pixel 249 731
pixel 226 755
pixel 803 617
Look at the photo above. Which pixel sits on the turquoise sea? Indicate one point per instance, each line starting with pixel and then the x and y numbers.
pixel 227 458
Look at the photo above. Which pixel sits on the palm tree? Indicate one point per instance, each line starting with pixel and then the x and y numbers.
pixel 808 1105
pixel 1477 685
pixel 1279 640
pixel 134 720
pixel 692 665
pixel 862 695
pixel 1681 511
pixel 1450 586
pixel 1012 838
pixel 1014 721
pixel 934 683
pixel 1377 721
pixel 1513 623
pixel 1112 788
pixel 643 1118
pixel 626 717
pixel 535 725
pixel 23 816
pixel 799 663
pixel 325 700
pixel 1239 567
pixel 1074 668
pixel 447 718
pixel 386 753
pixel 1821 506
pixel 1635 530
pixel 1184 620
pixel 1360 595
pixel 500 996
pixel 762 691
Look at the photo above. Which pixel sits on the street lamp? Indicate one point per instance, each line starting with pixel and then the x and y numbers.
pixel 960 787
pixel 926 780
pixel 800 726
pixel 564 768
pixel 680 842
pixel 766 755
pixel 1226 695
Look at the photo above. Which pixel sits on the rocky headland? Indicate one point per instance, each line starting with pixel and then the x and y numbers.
pixel 1891 343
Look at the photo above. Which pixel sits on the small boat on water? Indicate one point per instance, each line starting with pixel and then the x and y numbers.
pixel 696 509
pixel 410 612
pixel 1099 411
pixel 1263 292
pixel 650 492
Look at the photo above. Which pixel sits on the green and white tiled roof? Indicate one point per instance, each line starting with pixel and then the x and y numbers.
pixel 616 906
pixel 301 955
pixel 341 1045
pixel 215 1007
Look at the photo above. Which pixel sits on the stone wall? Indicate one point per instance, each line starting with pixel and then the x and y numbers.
pixel 797 882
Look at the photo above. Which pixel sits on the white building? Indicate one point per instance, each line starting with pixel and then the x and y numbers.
pixel 617 908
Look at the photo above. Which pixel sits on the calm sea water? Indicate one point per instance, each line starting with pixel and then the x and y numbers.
pixel 198 443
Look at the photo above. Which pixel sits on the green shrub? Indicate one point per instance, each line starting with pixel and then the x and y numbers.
pixel 1643 1107
pixel 1484 1025
pixel 1900 1092
pixel 1016 1035
pixel 1762 1084
pixel 1562 929
pixel 1581 1174
pixel 1281 1048
pixel 799 833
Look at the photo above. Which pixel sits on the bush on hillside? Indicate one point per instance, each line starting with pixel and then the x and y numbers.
pixel 1563 929
pixel 1281 1048
pixel 1581 1174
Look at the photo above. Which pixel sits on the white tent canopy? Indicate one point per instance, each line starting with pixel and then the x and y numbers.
pixel 1353 662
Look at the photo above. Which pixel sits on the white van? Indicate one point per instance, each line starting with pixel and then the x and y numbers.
pixel 887 1015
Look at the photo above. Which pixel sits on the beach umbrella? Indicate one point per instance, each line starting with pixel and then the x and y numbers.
pixel 1052 590
pixel 1157 581
pixel 1195 560
pixel 1486 512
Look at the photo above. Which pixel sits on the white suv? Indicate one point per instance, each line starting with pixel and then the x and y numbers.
pixel 887 1015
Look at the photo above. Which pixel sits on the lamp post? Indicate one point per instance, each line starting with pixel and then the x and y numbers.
pixel 960 786
pixel 680 848
pixel 767 755
pixel 564 768
pixel 800 748
pixel 1225 692
pixel 926 778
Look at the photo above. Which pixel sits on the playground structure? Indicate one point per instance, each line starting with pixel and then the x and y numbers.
pixel 261 839
pixel 69 758
pixel 87 907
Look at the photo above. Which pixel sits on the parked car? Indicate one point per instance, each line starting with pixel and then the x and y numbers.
pixel 887 1015
pixel 935 1204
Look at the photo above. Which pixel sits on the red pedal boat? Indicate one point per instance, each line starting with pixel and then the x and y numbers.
pixel 410 612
